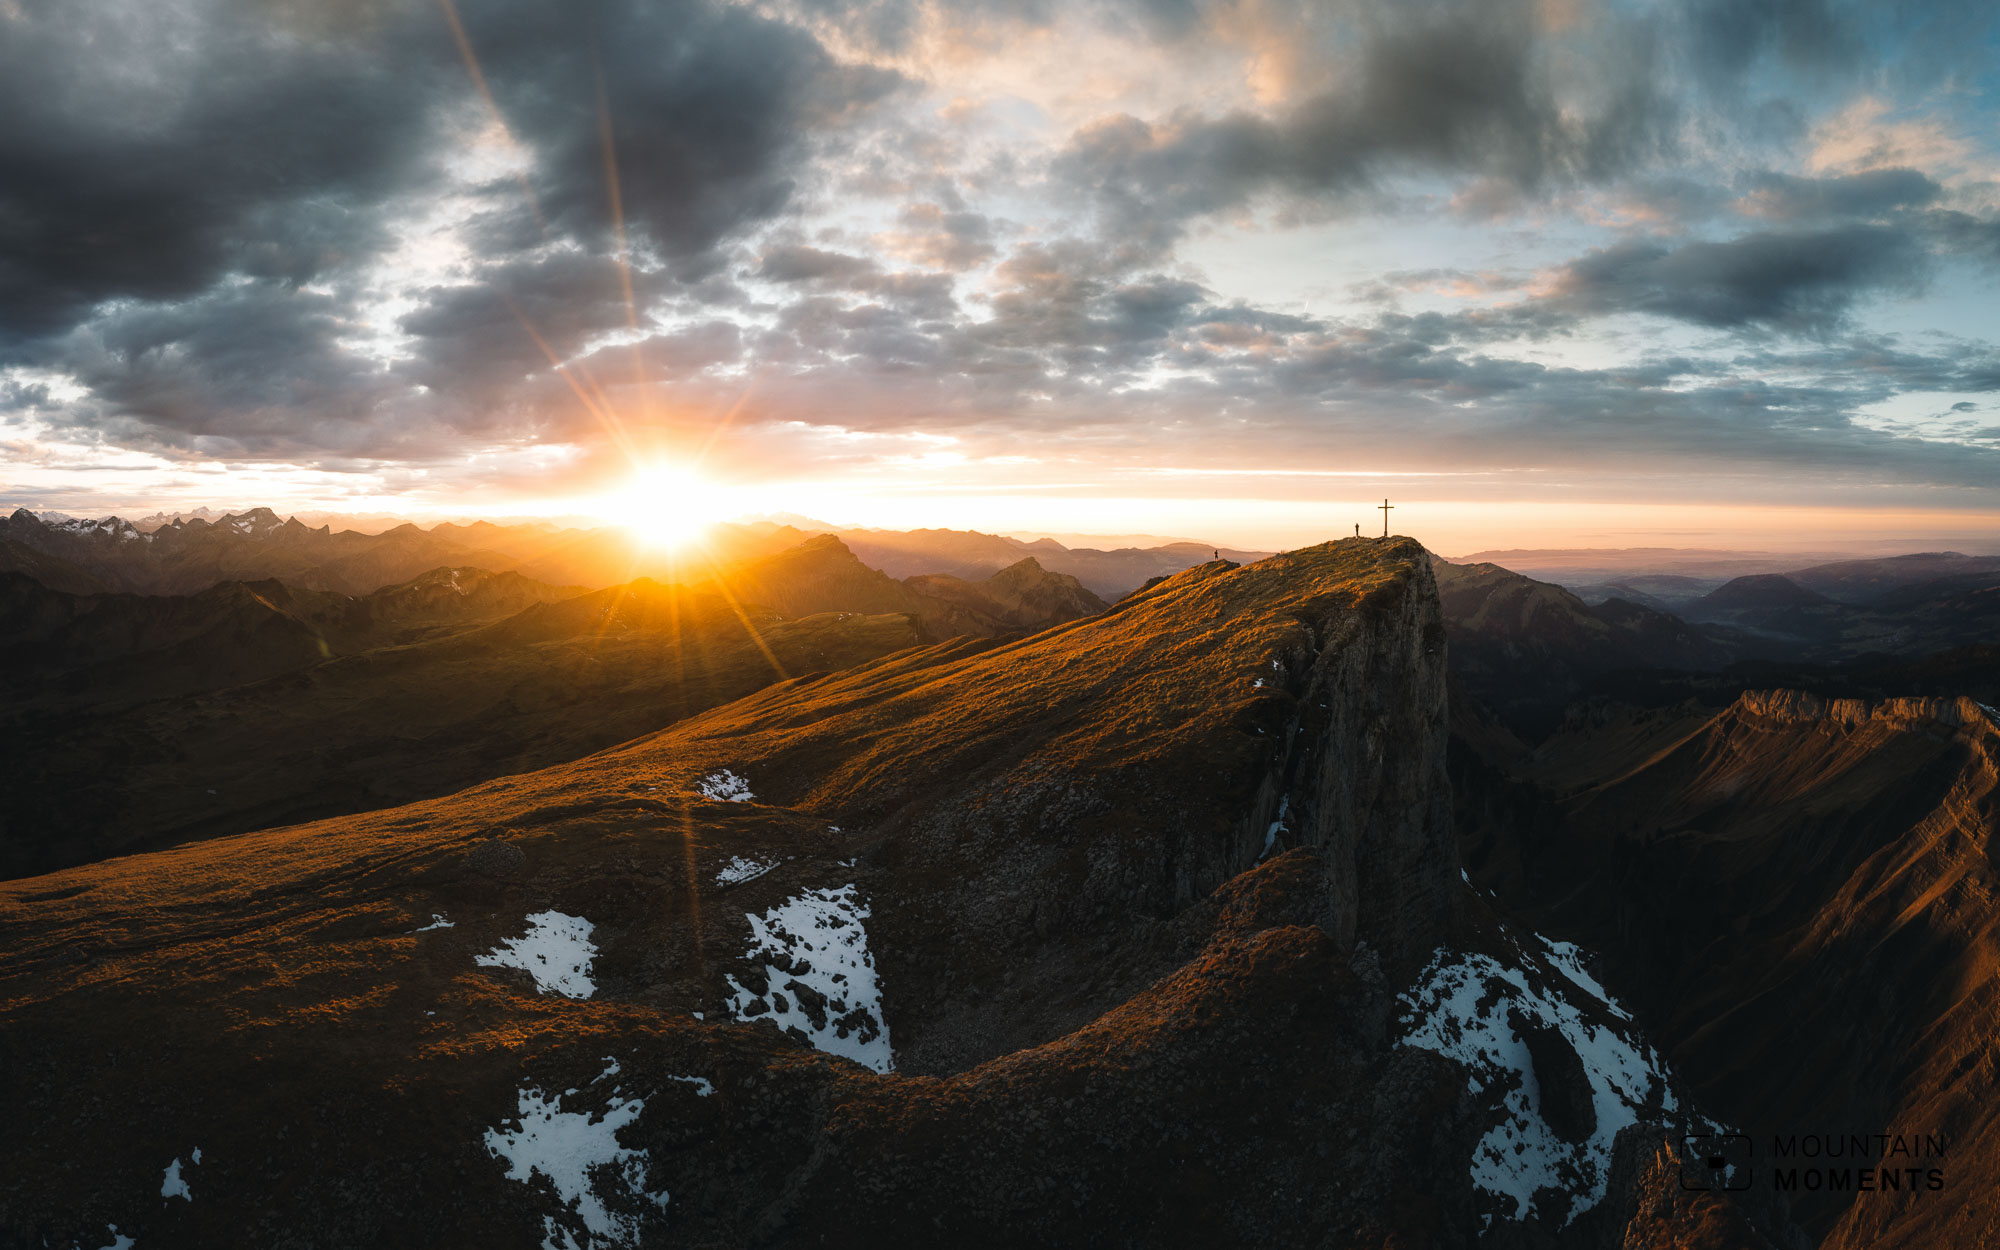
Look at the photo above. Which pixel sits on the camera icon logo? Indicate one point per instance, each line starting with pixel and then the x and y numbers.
pixel 1715 1161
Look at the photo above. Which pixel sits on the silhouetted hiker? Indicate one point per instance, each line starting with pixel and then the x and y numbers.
pixel 1357 529
pixel 1218 554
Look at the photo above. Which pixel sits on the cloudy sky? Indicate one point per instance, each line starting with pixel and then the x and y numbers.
pixel 1698 272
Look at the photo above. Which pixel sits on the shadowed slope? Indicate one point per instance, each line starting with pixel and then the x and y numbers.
pixel 51 571
pixel 396 723
pixel 1799 893
pixel 1527 648
pixel 69 652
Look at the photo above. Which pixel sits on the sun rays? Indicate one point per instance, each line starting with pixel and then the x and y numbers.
pixel 667 506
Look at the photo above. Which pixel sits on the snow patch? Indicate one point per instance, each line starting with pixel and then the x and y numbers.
pixel 724 786
pixel 568 1147
pixel 702 1085
pixel 557 952
pixel 119 1241
pixel 1277 826
pixel 174 1185
pixel 1567 958
pixel 1459 1008
pixel 820 977
pixel 738 870
pixel 86 525
pixel 437 922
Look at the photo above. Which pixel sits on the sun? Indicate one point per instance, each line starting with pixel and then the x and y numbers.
pixel 667 506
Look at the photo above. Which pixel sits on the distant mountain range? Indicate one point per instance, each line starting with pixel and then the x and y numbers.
pixel 1529 649
pixel 1674 579
pixel 183 556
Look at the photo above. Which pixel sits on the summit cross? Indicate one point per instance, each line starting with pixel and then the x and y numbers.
pixel 1384 510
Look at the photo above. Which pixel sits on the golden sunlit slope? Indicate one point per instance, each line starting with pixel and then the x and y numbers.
pixel 65 653
pixel 821 574
pixel 1134 894
pixel 1527 649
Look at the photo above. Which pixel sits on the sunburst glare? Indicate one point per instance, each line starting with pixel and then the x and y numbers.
pixel 669 506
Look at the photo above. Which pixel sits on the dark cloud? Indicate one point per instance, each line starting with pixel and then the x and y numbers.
pixel 1465 91
pixel 802 264
pixel 1726 39
pixel 1873 194
pixel 199 376
pixel 474 340
pixel 668 355
pixel 924 294
pixel 192 239
pixel 942 238
pixel 239 148
pixel 1965 234
pixel 1420 389
pixel 1804 282
pixel 708 109
pixel 1085 309
pixel 1389 287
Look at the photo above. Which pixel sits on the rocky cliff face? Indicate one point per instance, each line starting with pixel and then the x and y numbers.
pixel 1364 775
pixel 1795 707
